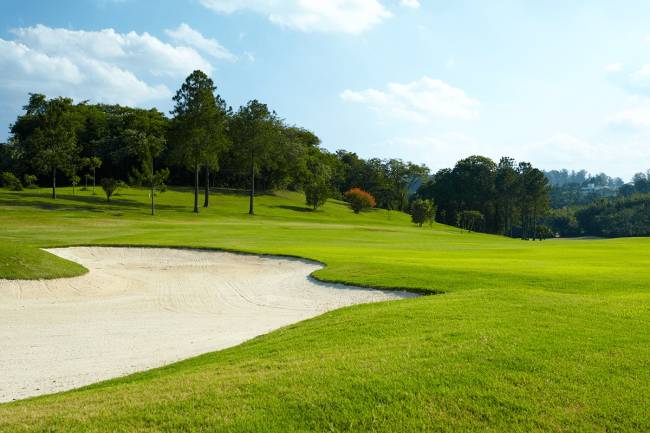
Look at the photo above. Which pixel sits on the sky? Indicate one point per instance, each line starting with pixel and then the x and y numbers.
pixel 561 84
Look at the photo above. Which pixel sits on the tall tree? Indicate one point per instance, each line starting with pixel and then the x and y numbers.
pixel 506 190
pixel 197 129
pixel 52 141
pixel 146 140
pixel 254 131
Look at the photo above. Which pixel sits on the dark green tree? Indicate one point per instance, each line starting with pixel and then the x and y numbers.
pixel 254 132
pixel 52 141
pixel 197 129
pixel 146 140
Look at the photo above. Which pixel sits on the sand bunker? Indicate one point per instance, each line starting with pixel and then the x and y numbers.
pixel 140 308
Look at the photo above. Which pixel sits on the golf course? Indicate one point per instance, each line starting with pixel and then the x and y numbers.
pixel 509 335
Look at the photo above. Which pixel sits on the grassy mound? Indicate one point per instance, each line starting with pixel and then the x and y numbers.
pixel 529 336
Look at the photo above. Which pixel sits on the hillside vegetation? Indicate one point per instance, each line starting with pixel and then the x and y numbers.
pixel 524 336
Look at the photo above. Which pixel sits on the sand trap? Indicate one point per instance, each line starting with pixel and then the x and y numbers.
pixel 140 308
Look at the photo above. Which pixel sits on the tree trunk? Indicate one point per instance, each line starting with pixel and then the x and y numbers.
pixel 252 194
pixel 206 201
pixel 54 183
pixel 93 180
pixel 196 188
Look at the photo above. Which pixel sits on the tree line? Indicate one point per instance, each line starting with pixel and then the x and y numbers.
pixel 478 194
pixel 205 143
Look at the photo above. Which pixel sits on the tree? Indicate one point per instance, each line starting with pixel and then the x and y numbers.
pixel 10 181
pixel 91 163
pixel 52 142
pixel 74 180
pixel 506 191
pixel 533 197
pixel 471 220
pixel 360 200
pixel 146 140
pixel 30 180
pixel 422 211
pixel 254 131
pixel 197 129
pixel 110 187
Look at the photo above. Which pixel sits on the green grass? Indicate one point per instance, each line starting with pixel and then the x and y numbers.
pixel 528 336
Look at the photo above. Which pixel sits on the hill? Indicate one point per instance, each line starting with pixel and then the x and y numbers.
pixel 522 335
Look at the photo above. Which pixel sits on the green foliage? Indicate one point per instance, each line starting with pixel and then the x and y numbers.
pixel 623 216
pixel 422 211
pixel 543 232
pixel 360 200
pixel 317 193
pixel 198 128
pixel 30 181
pixel 471 220
pixel 512 198
pixel 47 135
pixel 110 186
pixel 10 181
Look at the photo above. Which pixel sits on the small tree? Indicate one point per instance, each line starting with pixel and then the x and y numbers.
pixel 360 200
pixel 470 220
pixel 74 179
pixel 92 164
pixel 317 193
pixel 110 187
pixel 543 232
pixel 87 177
pixel 422 211
pixel 30 180
pixel 10 181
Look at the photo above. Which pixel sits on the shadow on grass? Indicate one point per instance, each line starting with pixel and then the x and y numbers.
pixel 293 208
pixel 96 203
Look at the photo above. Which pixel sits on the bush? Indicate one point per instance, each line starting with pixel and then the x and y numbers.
pixel 422 211
pixel 10 181
pixel 30 181
pixel 110 186
pixel 360 199
pixel 316 194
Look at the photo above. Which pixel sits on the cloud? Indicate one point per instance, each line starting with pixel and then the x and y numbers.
pixel 419 101
pixel 335 16
pixel 614 67
pixel 104 66
pixel 185 34
pixel 410 3
pixel 634 118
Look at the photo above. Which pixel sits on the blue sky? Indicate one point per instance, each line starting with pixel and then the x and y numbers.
pixel 562 84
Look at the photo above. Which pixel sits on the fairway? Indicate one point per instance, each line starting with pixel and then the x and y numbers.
pixel 516 335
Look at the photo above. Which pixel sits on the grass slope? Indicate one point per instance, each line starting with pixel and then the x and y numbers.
pixel 529 336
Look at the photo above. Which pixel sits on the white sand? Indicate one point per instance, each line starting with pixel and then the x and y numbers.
pixel 140 308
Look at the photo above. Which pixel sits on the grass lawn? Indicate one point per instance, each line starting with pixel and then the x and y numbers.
pixel 527 336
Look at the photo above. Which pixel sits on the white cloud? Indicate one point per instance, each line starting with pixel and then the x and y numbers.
pixel 419 101
pixel 410 3
pixel 614 67
pixel 104 66
pixel 635 118
pixel 345 16
pixel 185 34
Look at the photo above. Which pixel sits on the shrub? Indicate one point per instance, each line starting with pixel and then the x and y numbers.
pixel 422 211
pixel 316 194
pixel 543 232
pixel 110 186
pixel 360 199
pixel 10 181
pixel 30 181
pixel 471 220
